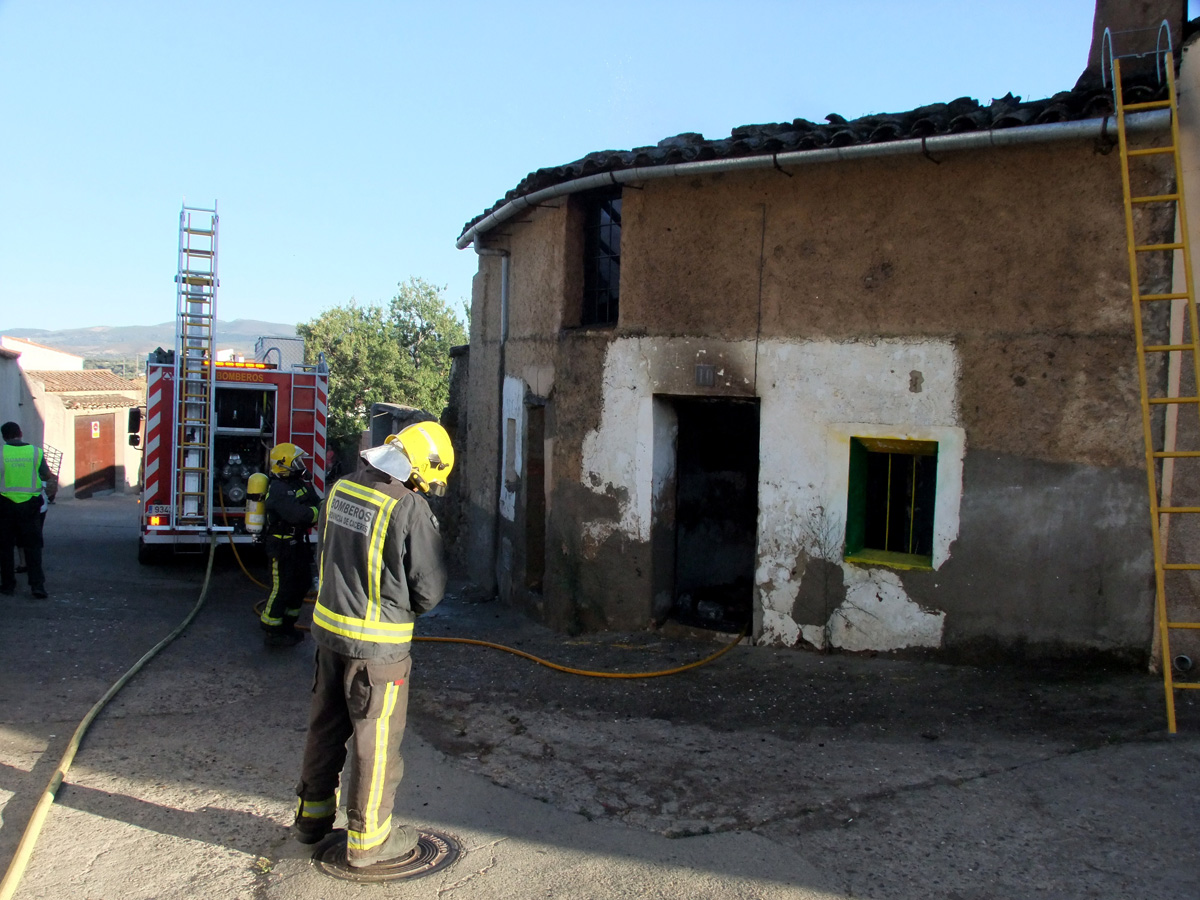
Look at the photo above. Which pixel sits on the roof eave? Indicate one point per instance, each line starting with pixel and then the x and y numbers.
pixel 1084 129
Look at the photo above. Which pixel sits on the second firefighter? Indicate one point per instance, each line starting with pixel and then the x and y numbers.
pixel 291 508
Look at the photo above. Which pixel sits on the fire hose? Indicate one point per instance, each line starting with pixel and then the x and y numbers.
pixel 16 869
pixel 258 607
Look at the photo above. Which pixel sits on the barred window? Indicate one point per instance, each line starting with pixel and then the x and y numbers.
pixel 601 256
pixel 889 509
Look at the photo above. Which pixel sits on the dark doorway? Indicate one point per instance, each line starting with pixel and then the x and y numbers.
pixel 535 497
pixel 95 454
pixel 716 512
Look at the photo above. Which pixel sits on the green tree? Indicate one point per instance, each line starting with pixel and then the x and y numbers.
pixel 398 353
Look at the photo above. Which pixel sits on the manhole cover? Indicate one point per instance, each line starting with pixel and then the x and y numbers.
pixel 435 851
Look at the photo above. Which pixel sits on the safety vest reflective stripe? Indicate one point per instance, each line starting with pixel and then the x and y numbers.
pixel 19 479
pixel 375 540
pixel 361 629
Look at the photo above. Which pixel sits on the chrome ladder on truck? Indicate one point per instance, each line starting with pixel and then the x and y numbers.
pixel 303 416
pixel 1181 348
pixel 195 375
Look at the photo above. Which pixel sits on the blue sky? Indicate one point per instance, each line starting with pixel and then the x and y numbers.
pixel 348 143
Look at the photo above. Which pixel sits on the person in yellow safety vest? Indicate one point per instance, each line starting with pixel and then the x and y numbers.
pixel 22 470
pixel 381 565
pixel 291 508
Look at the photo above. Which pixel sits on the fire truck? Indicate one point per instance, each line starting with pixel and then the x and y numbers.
pixel 210 423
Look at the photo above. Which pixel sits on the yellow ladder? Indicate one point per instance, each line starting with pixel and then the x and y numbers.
pixel 1177 347
pixel 195 375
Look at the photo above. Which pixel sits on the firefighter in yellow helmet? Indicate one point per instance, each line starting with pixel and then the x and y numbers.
pixel 381 566
pixel 291 508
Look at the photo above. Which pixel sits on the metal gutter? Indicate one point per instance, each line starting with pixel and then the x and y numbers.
pixel 1137 123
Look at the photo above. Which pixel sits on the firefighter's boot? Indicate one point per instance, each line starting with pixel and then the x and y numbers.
pixel 399 844
pixel 314 820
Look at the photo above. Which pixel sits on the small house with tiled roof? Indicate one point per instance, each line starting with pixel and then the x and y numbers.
pixel 83 414
pixel 866 384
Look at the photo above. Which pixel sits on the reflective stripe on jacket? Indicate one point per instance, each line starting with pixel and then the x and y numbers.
pixel 19 478
pixel 381 566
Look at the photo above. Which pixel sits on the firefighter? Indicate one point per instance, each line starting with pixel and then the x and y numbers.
pixel 292 505
pixel 22 470
pixel 380 567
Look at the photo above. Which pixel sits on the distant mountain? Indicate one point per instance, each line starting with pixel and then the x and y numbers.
pixel 138 340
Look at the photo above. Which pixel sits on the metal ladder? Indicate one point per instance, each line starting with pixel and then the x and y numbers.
pixel 1162 454
pixel 304 416
pixel 195 376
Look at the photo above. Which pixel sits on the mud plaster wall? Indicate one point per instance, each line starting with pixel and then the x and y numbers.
pixel 979 242
pixel 983 301
pixel 537 249
pixel 598 573
pixel 1051 559
pixel 481 448
pixel 1017 255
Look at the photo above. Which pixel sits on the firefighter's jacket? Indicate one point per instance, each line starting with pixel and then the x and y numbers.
pixel 381 566
pixel 291 508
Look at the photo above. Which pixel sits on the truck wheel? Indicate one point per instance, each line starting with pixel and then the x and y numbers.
pixel 150 554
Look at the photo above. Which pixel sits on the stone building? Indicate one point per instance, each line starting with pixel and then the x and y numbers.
pixel 864 384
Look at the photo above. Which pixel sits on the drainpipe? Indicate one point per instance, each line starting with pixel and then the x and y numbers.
pixel 504 267
pixel 1135 123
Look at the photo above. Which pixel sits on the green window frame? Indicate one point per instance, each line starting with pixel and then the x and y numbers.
pixel 892 489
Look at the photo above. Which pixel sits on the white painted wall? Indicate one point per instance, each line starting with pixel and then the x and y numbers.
pixel 618 458
pixel 512 452
pixel 12 393
pixel 815 396
pixel 37 357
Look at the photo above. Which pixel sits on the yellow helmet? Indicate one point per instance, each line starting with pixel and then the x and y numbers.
pixel 428 448
pixel 287 459
pixel 421 455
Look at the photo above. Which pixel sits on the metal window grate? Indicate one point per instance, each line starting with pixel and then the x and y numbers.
pixel 602 257
pixel 892 490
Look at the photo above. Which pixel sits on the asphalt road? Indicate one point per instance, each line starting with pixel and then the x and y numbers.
pixel 767 774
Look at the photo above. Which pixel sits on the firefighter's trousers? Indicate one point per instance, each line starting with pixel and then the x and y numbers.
pixel 291 579
pixel 366 701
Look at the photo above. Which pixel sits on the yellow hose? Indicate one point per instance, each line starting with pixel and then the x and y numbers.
pixel 233 543
pixel 258 608
pixel 570 671
pixel 16 869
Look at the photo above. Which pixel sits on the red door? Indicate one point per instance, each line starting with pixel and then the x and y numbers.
pixel 95 454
